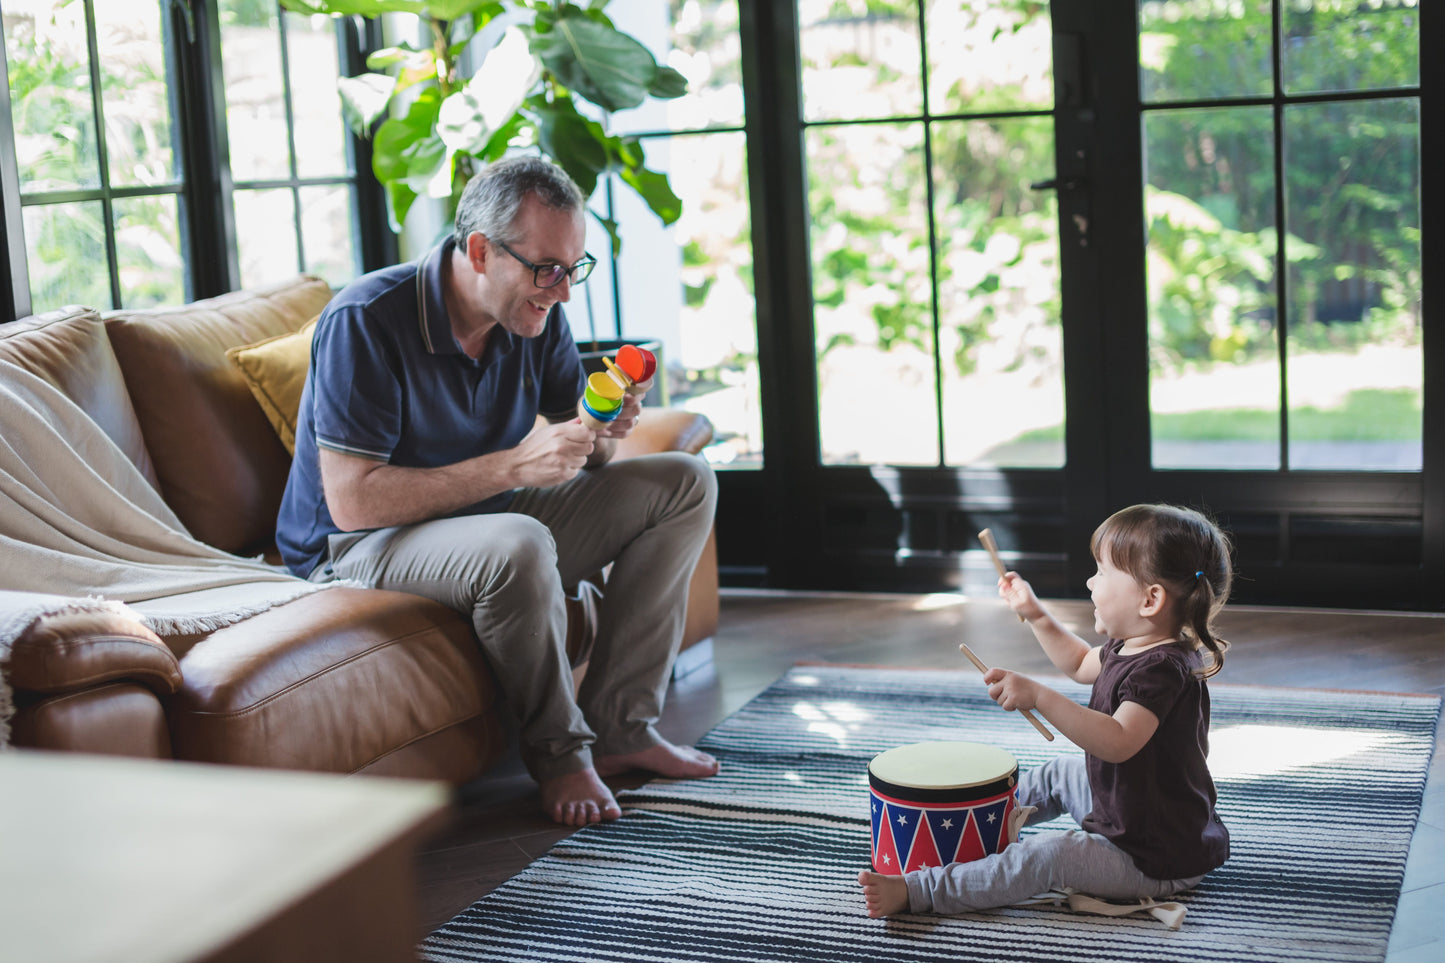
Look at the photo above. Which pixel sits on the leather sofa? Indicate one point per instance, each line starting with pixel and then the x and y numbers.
pixel 346 680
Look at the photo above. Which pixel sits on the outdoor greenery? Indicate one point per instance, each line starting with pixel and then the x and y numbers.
pixel 57 149
pixel 1353 223
pixel 1364 415
pixel 1353 229
pixel 438 125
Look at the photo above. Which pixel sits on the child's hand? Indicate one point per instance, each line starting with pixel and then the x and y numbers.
pixel 1020 596
pixel 1011 690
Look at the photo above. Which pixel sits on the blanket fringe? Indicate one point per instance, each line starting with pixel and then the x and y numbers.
pixel 1171 914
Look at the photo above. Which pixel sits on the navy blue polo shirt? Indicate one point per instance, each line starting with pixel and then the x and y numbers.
pixel 388 382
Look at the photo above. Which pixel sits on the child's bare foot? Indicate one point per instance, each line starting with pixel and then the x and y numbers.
pixel 883 895
pixel 578 798
pixel 665 759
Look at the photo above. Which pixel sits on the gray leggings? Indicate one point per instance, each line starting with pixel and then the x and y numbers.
pixel 1080 861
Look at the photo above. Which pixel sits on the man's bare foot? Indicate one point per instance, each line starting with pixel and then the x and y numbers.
pixel 578 798
pixel 665 759
pixel 883 895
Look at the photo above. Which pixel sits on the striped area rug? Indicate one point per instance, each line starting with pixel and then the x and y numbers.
pixel 1320 790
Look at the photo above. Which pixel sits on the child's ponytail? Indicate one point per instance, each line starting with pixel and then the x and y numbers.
pixel 1197 606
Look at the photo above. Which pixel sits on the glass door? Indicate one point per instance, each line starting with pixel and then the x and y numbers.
pixel 929 145
pixel 1281 191
pixel 1282 197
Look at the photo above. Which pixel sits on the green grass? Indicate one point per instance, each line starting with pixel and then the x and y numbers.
pixel 1369 414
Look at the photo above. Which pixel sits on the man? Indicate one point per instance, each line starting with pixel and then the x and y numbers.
pixel 418 468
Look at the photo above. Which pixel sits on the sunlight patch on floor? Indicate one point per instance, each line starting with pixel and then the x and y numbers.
pixel 939 600
pixel 1251 751
pixel 835 720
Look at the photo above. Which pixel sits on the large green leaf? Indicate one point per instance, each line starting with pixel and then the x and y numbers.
pixel 668 84
pixel 399 199
pixel 481 10
pixel 604 65
pixel 562 130
pixel 364 99
pixel 653 188
pixel 424 160
pixel 367 8
pixel 502 138
pixel 387 56
pixel 393 151
pixel 575 143
pixel 462 121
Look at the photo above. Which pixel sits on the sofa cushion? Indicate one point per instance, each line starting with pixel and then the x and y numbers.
pixel 332 682
pixel 275 371
pixel 68 348
pixel 220 465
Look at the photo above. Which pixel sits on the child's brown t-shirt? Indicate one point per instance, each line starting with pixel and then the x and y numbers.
pixel 1159 805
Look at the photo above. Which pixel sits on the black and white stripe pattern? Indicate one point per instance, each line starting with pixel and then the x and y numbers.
pixel 1320 790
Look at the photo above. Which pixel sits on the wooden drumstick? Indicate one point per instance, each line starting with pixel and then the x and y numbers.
pixel 986 536
pixel 978 663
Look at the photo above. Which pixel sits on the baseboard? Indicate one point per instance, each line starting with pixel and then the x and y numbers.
pixel 691 659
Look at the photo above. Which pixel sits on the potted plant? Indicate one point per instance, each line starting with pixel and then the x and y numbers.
pixel 431 128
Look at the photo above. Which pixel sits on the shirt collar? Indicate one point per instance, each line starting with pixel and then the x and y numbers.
pixel 431 305
pixel 435 324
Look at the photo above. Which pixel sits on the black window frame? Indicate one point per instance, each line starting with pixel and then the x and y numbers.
pixel 206 220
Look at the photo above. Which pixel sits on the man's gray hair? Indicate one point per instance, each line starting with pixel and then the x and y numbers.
pixel 491 199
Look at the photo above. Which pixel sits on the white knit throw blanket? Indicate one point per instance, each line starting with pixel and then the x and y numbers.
pixel 81 529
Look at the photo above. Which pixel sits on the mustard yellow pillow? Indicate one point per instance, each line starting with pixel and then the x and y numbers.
pixel 275 371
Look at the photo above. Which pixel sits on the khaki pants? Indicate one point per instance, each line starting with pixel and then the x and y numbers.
pixel 649 517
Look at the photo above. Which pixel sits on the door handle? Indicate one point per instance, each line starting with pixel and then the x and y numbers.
pixel 1058 184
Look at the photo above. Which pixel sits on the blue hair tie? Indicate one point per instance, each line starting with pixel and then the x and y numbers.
pixel 1198 573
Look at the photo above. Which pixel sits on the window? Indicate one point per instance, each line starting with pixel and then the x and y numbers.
pixel 294 183
pixel 688 285
pixel 1283 201
pixel 935 259
pixel 111 211
pixel 95 150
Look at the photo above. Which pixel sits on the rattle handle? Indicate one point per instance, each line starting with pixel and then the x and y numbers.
pixel 978 664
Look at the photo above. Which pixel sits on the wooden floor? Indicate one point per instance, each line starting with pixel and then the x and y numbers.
pixel 496 829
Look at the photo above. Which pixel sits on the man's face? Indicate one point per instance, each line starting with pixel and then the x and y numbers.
pixel 544 236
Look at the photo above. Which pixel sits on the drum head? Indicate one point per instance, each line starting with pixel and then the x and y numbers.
pixel 945 767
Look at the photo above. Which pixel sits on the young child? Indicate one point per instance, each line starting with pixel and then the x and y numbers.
pixel 1142 793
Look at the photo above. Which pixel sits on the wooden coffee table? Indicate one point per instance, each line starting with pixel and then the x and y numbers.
pixel 109 859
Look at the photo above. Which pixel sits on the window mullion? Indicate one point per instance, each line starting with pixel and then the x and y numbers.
pixel 210 226
pixel 356 36
pixel 97 107
pixel 15 268
pixel 291 165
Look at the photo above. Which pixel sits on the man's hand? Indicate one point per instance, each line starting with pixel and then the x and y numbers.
pixel 552 454
pixel 626 420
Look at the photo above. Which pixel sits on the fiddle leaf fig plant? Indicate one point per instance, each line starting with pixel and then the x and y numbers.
pixel 432 128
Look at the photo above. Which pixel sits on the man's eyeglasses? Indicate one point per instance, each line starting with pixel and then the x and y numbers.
pixel 551 275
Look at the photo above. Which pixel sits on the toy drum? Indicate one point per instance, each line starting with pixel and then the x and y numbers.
pixel 936 803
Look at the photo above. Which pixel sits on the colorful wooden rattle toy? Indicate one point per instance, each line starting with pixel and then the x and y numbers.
pixel 601 403
pixel 631 374
pixel 634 369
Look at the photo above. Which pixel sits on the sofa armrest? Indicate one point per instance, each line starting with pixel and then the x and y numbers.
pixel 70 651
pixel 666 429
